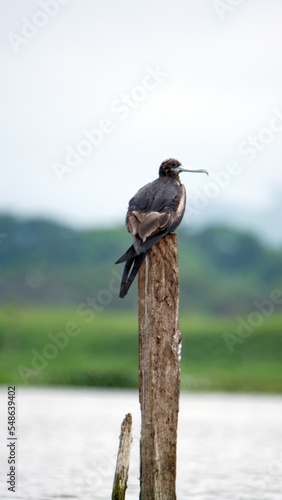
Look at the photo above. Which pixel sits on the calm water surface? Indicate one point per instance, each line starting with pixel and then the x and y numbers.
pixel 229 446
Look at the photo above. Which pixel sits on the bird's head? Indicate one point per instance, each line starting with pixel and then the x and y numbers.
pixel 172 168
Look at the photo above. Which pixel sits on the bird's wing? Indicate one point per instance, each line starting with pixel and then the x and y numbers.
pixel 152 210
pixel 141 201
pixel 157 195
pixel 147 224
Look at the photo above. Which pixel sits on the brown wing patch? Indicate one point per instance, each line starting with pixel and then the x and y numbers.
pixel 139 215
pixel 146 224
pixel 152 223
pixel 133 223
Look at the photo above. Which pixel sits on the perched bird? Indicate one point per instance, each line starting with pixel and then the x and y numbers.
pixel 156 210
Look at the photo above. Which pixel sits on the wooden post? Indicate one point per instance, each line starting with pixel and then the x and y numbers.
pixel 121 473
pixel 159 369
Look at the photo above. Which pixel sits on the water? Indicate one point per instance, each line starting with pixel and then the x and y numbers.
pixel 229 446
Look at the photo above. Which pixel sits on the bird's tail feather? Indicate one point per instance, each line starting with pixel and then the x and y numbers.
pixel 139 248
pixel 129 254
pixel 132 266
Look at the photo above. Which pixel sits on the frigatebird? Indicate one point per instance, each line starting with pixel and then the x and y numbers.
pixel 155 210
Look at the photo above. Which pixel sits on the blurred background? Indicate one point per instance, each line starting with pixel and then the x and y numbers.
pixel 94 96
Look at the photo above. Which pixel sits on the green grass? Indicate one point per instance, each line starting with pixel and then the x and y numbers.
pixel 102 350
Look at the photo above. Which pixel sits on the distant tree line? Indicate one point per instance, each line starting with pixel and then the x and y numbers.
pixel 222 270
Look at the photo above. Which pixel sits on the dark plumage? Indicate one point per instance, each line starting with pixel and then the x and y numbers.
pixel 156 210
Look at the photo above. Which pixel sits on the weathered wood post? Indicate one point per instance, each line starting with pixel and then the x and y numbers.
pixel 122 466
pixel 159 369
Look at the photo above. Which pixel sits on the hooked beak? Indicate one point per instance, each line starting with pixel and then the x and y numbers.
pixel 200 170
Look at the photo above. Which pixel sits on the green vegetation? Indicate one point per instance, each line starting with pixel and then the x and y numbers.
pixel 222 271
pixel 55 346
pixel 61 321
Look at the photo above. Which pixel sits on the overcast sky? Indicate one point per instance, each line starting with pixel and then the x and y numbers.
pixel 95 95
